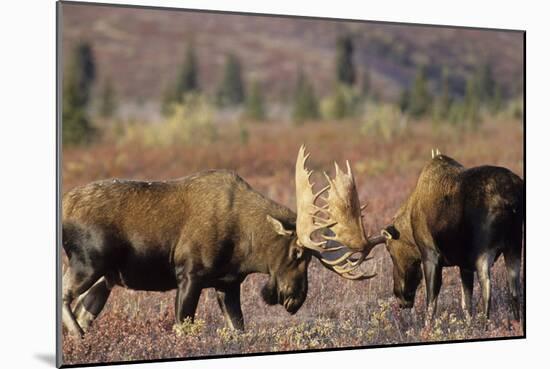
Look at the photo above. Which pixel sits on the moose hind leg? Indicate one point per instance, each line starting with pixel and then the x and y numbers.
pixel 83 246
pixel 91 303
pixel 229 299
pixel 467 278
pixel 187 295
pixel 512 259
pixel 483 267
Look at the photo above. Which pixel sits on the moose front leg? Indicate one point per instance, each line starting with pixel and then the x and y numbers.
pixel 467 278
pixel 187 296
pixel 432 275
pixel 229 299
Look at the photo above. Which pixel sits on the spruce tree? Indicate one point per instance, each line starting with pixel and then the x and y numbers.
pixel 168 100
pixel 472 102
pixel 404 100
pixel 83 67
pixel 306 105
pixel 345 70
pixel 78 79
pixel 446 98
pixel 485 82
pixel 231 91
pixel 443 101
pixel 187 81
pixel 340 104
pixel 496 102
pixel 420 98
pixel 107 106
pixel 366 83
pixel 254 105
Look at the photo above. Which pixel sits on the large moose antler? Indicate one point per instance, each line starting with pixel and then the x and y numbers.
pixel 339 220
pixel 305 205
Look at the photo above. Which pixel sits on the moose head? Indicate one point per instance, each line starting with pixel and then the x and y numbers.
pixel 328 227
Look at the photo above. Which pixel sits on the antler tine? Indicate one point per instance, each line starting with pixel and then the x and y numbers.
pixel 345 263
pixel 349 171
pixel 338 261
pixel 305 205
pixel 345 210
pixel 347 270
pixel 318 194
pixel 350 267
pixel 358 277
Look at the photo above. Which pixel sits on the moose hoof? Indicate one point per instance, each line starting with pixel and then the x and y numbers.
pixel 75 332
pixel 85 320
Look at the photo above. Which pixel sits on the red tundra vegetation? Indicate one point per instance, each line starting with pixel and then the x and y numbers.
pixel 139 325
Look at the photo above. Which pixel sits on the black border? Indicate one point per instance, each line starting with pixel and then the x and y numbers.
pixel 524 269
pixel 59 154
pixel 58 184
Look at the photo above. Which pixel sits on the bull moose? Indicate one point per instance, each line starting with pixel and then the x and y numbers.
pixel 207 230
pixel 457 217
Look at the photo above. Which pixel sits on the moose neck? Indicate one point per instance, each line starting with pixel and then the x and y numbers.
pixel 267 254
pixel 263 249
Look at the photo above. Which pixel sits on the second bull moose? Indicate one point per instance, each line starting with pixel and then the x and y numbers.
pixel 457 217
pixel 206 230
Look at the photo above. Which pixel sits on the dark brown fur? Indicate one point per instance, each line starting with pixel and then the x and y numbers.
pixel 206 230
pixel 457 217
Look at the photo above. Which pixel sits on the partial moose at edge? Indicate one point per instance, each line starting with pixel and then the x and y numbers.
pixel 457 217
pixel 208 230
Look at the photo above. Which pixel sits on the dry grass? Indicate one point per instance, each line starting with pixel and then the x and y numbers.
pixel 337 313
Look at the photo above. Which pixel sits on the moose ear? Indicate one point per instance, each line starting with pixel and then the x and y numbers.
pixel 279 227
pixel 391 232
pixel 296 252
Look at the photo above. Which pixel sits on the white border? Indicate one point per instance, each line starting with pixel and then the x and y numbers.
pixel 27 144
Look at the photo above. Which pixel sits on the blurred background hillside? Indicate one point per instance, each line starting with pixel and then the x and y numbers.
pixel 134 65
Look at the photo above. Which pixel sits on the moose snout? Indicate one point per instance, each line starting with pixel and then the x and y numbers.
pixel 405 304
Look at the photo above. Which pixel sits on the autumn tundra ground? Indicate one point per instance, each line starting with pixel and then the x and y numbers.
pixel 337 313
